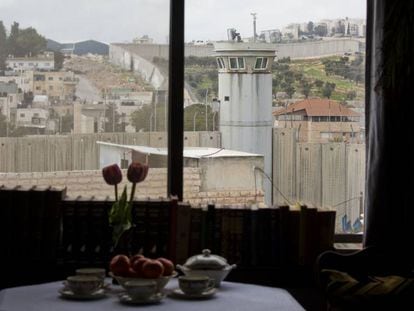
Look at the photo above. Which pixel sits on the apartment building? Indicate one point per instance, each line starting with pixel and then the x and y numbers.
pixel 58 85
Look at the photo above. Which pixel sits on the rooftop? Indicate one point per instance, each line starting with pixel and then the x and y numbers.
pixel 189 152
pixel 318 107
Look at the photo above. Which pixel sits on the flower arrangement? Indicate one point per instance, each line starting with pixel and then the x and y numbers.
pixel 120 217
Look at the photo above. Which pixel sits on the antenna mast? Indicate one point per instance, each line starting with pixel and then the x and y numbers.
pixel 254 26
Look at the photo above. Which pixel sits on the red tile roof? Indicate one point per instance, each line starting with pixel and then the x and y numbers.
pixel 318 107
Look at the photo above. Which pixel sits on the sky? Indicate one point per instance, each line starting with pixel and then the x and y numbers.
pixel 122 20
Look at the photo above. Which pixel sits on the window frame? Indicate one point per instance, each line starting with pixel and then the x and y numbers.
pixel 263 60
pixel 238 61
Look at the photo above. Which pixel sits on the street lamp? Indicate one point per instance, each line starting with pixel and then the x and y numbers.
pixel 214 120
pixel 150 121
pixel 194 118
pixel 206 110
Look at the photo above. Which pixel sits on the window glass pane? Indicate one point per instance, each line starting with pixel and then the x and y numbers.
pixel 233 63
pixel 258 63
pixel 241 62
pixel 318 101
pixel 264 64
pixel 88 88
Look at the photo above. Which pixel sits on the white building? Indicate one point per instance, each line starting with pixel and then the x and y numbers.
pixel 222 169
pixel 32 117
pixel 40 101
pixel 44 62
pixel 9 98
pixel 245 94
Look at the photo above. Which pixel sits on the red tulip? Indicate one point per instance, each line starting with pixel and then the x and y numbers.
pixel 137 172
pixel 112 174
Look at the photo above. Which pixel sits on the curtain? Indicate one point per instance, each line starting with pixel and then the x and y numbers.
pixel 389 204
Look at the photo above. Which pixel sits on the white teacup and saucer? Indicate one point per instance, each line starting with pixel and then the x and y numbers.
pixel 194 287
pixel 141 292
pixel 82 287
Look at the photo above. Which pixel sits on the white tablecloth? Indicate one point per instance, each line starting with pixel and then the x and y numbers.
pixel 229 297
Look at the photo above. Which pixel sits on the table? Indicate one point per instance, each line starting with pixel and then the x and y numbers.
pixel 229 297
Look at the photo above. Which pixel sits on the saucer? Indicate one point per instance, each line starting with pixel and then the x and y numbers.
pixel 106 286
pixel 204 295
pixel 125 298
pixel 68 294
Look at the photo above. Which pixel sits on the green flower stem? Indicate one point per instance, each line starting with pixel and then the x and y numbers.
pixel 131 199
pixel 116 192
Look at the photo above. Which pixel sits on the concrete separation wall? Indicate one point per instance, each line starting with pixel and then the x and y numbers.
pixel 300 50
pixel 125 58
pixel 326 175
pixel 80 151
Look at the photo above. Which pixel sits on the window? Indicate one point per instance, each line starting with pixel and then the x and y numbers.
pixel 50 78
pixel 22 115
pixel 36 114
pixel 236 62
pixel 261 63
pixel 220 63
pixel 233 63
pixel 284 83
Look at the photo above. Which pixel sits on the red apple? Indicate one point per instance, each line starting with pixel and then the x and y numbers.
pixel 133 274
pixel 137 265
pixel 168 266
pixel 120 265
pixel 135 257
pixel 152 269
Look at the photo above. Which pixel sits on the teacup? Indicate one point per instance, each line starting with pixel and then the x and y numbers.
pixel 98 272
pixel 140 289
pixel 195 285
pixel 83 285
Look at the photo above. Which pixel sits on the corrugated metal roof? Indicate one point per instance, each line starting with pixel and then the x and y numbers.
pixel 318 107
pixel 189 152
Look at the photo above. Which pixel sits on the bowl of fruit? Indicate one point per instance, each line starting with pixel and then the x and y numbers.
pixel 137 267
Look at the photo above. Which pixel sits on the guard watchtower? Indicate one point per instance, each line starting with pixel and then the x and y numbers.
pixel 245 94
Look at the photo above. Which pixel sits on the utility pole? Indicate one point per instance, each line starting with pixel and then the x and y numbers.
pixel 254 26
pixel 206 111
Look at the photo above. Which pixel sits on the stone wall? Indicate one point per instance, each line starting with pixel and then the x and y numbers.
pixel 90 183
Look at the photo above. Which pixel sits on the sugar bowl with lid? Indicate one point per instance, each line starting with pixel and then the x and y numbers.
pixel 213 266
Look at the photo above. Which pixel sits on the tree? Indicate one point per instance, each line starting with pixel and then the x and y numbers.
pixel 112 119
pixel 195 118
pixel 328 89
pixel 29 42
pixel 148 119
pixel 290 90
pixel 67 123
pixel 310 27
pixel 142 118
pixel 58 58
pixel 12 39
pixel 351 95
pixel 318 83
pixel 321 30
pixel 3 125
pixel 3 46
pixel 306 88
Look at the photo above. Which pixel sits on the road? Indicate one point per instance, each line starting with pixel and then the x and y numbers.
pixel 85 90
